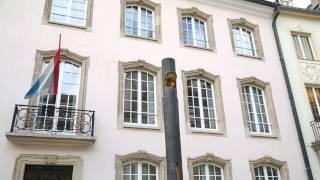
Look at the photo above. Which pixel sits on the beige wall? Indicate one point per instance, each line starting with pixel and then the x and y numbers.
pixel 301 72
pixel 22 32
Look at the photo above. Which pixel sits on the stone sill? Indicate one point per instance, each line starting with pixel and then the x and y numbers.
pixel 316 146
pixel 46 139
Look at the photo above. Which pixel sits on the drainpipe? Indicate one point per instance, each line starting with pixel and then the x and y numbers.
pixel 292 102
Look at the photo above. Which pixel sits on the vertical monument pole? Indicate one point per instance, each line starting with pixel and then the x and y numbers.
pixel 171 120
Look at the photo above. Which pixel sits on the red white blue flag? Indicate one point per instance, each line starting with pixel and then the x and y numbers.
pixel 47 83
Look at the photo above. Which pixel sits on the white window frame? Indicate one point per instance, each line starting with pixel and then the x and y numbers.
pixel 207 175
pixel 255 111
pixel 242 37
pixel 301 48
pixel 139 20
pixel 266 177
pixel 139 101
pixel 139 173
pixel 68 12
pixel 201 107
pixel 194 42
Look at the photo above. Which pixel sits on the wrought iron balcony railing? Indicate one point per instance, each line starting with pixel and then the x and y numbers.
pixel 53 120
pixel 316 130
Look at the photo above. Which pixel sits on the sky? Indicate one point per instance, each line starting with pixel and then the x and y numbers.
pixel 299 3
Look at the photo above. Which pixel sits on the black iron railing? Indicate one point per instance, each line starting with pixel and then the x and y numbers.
pixel 316 130
pixel 53 120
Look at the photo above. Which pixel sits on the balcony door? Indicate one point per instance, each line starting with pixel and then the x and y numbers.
pixel 56 113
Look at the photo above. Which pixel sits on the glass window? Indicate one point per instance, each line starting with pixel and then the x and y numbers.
pixel 72 12
pixel 256 110
pixel 303 47
pixel 139 21
pixel 207 172
pixel 139 98
pixel 314 100
pixel 50 118
pixel 194 32
pixel 139 171
pixel 266 173
pixel 244 41
pixel 201 104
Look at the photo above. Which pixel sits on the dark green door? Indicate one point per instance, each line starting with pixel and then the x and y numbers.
pixel 43 172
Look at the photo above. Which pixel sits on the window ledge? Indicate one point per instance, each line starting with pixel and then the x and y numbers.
pixel 316 61
pixel 83 28
pixel 139 126
pixel 206 131
pixel 263 135
pixel 142 38
pixel 316 146
pixel 248 56
pixel 201 48
pixel 50 139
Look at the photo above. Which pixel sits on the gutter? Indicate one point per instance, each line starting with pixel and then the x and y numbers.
pixel 292 101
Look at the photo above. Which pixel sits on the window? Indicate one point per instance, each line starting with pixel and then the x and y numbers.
pixel 209 167
pixel 267 168
pixel 140 166
pixel 245 38
pixel 313 94
pixel 257 105
pixel 266 173
pixel 244 41
pixel 140 104
pixel 139 21
pixel 141 18
pixel 139 98
pixel 75 13
pixel 57 112
pixel 140 171
pixel 207 172
pixel 31 166
pixel 303 46
pixel 202 112
pixel 194 32
pixel 254 103
pixel 196 29
pixel 203 102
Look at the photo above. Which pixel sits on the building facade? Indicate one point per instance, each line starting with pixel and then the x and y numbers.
pixel 106 121
pixel 298 31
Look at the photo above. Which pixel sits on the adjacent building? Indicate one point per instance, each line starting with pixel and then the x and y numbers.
pixel 106 121
pixel 298 31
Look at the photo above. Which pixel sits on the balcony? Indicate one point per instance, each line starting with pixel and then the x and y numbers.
pixel 316 131
pixel 49 125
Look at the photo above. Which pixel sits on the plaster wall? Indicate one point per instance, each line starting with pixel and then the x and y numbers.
pixel 22 32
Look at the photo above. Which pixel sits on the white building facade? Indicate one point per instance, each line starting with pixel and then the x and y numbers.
pixel 298 31
pixel 106 121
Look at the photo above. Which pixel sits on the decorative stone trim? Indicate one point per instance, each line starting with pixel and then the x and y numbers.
pixel 140 65
pixel 66 55
pixel 268 160
pixel 144 3
pixel 225 164
pixel 216 82
pixel 195 12
pixel 242 22
pixel 34 159
pixel 47 12
pixel 141 156
pixel 266 87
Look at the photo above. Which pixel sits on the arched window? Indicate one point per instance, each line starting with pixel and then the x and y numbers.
pixel 140 170
pixel 266 172
pixel 267 168
pixel 207 172
pixel 140 100
pixel 244 41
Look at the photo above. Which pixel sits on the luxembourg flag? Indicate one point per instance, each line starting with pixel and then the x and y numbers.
pixel 47 83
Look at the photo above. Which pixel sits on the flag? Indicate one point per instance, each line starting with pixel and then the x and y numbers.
pixel 47 83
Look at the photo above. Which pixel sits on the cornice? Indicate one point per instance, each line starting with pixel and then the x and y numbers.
pixel 241 6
